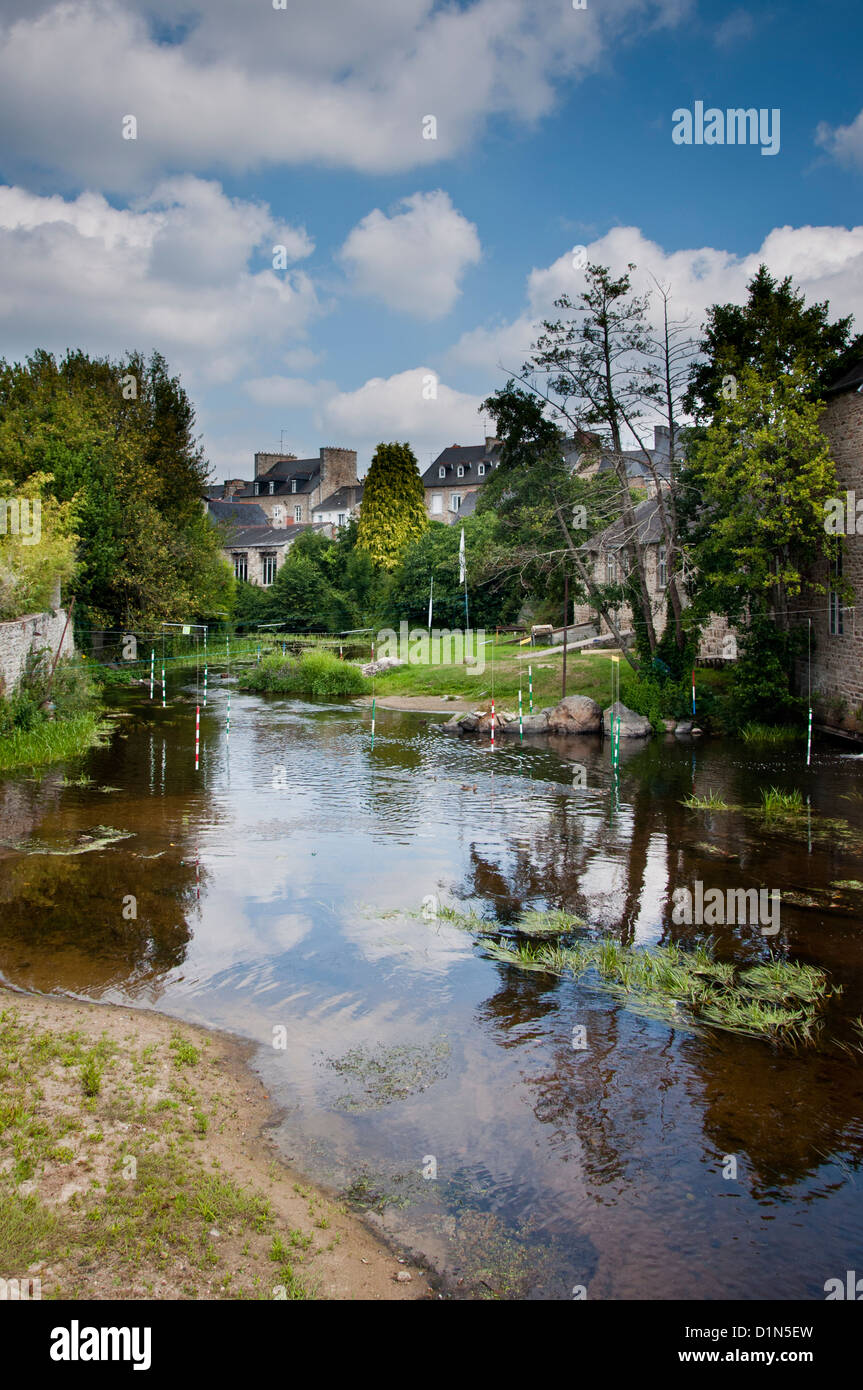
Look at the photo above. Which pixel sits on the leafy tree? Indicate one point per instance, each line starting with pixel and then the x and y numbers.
pixel 773 332
pixel 37 545
pixel 118 437
pixel 393 511
pixel 436 555
pixel 301 597
pixel 761 474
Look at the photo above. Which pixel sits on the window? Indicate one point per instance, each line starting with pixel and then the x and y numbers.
pixel 455 502
pixel 341 520
pixel 268 568
pixel 272 488
pixel 610 568
pixel 662 569
pixel 298 513
pixel 241 564
pixel 441 472
pixel 481 470
pixel 293 484
pixel 836 624
pixel 278 515
pixel 460 470
pixel 437 503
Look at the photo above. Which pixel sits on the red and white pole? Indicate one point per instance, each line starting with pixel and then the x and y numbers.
pixel 492 723
pixel 197 737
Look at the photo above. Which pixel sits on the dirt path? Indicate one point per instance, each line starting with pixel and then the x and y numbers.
pixel 134 1163
pixel 422 704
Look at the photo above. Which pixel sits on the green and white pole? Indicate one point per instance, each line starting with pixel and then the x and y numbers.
pixel 205 684
pixel 530 686
pixel 520 719
pixel 152 670
pixel 809 739
pixel 373 721
pixel 228 723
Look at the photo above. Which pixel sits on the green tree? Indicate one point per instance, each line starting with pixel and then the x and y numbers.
pixel 761 474
pixel 393 511
pixel 37 545
pixel 118 437
pixel 436 556
pixel 773 332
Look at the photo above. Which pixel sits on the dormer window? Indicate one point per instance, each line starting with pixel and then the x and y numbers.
pixel 460 470
pixel 272 488
pixel 481 470
pixel 441 472
pixel 293 484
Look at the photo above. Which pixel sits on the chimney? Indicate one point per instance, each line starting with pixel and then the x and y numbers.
pixel 338 469
pixel 662 440
pixel 490 443
pixel 230 486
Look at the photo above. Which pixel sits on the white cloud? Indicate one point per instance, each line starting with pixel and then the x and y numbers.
pixel 399 408
pixel 245 85
pixel 843 142
pixel 825 262
pixel 414 260
pixel 180 270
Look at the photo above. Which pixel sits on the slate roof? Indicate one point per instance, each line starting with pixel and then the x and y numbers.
pixel 851 381
pixel 470 456
pixel 647 520
pixel 343 497
pixel 245 513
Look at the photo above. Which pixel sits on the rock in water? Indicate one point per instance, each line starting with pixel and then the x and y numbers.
pixel 577 714
pixel 632 725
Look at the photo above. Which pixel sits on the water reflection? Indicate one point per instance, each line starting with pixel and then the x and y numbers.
pixel 283 886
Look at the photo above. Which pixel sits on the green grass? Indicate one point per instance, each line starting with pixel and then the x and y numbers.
pixel 711 801
pixel 770 733
pixel 777 803
pixel 316 673
pixel 50 741
pixel 778 1000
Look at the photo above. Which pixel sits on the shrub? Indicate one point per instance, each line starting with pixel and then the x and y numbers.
pixel 317 673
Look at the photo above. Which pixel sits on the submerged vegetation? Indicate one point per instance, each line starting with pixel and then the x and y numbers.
pixel 777 1000
pixel 754 732
pixel 777 803
pixel 316 673
pixel 711 801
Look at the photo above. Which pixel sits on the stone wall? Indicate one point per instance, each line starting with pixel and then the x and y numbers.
pixel 23 635
pixel 837 658
pixel 338 469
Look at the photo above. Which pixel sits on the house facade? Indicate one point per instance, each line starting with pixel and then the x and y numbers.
pixel 290 491
pixel 255 549
pixel 456 474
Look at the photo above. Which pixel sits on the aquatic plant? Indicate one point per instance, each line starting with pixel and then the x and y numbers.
pixel 710 801
pixel 753 732
pixel 316 673
pixel 777 803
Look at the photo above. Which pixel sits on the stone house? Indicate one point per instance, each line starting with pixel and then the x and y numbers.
pixel 255 549
pixel 608 561
pixel 456 474
pixel 289 490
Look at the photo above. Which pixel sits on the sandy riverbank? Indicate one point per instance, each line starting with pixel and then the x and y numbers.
pixel 134 1163
pixel 422 704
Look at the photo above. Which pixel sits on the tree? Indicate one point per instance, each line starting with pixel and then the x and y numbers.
pixel 535 494
pixel 762 473
pixel 37 545
pixel 435 555
pixel 593 367
pixel 393 511
pixel 773 332
pixel 118 437
pixel 301 597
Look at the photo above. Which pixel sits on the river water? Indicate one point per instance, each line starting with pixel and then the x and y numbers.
pixel 287 890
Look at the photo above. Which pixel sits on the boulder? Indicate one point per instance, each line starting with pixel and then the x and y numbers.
pixel 461 724
pixel 532 724
pixel 386 663
pixel 632 725
pixel 683 726
pixel 577 714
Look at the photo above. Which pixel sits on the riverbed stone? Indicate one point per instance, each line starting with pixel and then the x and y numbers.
pixel 632 725
pixel 385 663
pixel 577 714
pixel 461 724
pixel 683 726
pixel 532 724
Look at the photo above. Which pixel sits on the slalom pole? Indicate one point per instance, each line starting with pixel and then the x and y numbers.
pixel 197 737
pixel 492 723
pixel 693 692
pixel 152 669
pixel 530 686
pixel 373 696
pixel 163 670
pixel 520 719
pixel 228 724
pixel 809 666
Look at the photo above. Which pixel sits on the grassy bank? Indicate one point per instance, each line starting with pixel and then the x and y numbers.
pixel 131 1167
pixel 317 673
pixel 50 741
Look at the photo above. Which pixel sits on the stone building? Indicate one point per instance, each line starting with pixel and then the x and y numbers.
pixel 255 549
pixel 290 490
pixel 455 475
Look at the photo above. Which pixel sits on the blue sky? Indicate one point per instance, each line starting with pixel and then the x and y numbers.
pixel 302 128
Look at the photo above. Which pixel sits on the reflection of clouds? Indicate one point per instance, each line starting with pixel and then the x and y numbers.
pixel 423 945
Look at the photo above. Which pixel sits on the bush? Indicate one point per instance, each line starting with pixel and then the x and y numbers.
pixel 317 673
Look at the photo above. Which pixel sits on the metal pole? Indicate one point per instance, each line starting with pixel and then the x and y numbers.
pixel 565 622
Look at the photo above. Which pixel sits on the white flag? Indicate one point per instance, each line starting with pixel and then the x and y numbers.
pixel 461 566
